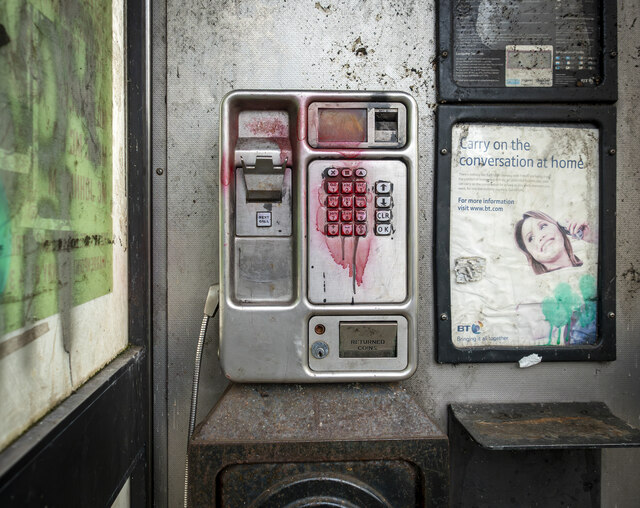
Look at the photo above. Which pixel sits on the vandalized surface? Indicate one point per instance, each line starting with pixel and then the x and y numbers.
pixel 215 47
pixel 62 214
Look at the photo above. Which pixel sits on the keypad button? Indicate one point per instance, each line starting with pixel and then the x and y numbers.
pixel 361 187
pixel 333 201
pixel 333 230
pixel 333 187
pixel 347 173
pixel 333 215
pixel 347 187
pixel 361 229
pixel 361 215
pixel 383 229
pixel 383 187
pixel 361 202
pixel 347 229
pixel 346 215
pixel 383 201
pixel 361 172
pixel 333 172
pixel 346 201
pixel 383 215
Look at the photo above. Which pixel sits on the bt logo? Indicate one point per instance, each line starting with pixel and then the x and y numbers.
pixel 475 327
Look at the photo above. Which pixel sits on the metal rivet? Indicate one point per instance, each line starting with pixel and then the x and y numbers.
pixel 159 171
pixel 319 329
pixel 444 151
pixel 612 151
pixel 444 54
pixel 611 315
pixel 443 317
pixel 613 54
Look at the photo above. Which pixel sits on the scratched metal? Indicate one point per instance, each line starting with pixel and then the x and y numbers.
pixel 540 426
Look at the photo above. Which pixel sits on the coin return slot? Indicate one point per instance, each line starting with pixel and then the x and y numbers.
pixel 386 123
pixel 368 340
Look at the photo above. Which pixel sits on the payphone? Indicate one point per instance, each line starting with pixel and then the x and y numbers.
pixel 318 250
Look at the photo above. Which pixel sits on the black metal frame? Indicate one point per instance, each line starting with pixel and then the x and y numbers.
pixel 449 90
pixel 84 451
pixel 604 118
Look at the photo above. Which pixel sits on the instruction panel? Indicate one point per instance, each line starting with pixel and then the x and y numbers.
pixel 538 43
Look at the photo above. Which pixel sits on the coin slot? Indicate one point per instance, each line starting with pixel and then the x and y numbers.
pixel 386 125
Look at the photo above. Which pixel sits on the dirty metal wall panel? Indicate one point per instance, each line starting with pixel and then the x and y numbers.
pixel 159 250
pixel 63 309
pixel 215 47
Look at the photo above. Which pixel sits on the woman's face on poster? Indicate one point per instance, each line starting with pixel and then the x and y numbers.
pixel 543 240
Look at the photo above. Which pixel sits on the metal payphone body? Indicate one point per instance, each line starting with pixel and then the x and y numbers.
pixel 318 240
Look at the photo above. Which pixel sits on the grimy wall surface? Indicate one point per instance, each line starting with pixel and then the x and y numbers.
pixel 204 49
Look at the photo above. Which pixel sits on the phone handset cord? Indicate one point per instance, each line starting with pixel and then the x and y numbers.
pixel 210 310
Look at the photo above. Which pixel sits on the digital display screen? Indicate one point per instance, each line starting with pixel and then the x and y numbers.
pixel 529 60
pixel 342 125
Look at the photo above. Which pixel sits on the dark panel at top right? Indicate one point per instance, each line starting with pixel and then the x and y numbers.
pixel 521 51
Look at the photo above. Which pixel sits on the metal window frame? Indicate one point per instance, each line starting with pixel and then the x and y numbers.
pixel 449 91
pixel 601 116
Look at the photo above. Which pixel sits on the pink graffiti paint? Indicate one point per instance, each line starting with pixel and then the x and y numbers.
pixel 225 170
pixel 276 130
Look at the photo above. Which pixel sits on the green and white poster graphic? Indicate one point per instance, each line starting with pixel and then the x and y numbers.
pixel 55 157
pixel 524 235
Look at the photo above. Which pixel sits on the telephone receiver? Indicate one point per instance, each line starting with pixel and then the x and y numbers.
pixel 318 240
pixel 578 236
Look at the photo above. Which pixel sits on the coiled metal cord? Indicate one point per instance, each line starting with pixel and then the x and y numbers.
pixel 210 310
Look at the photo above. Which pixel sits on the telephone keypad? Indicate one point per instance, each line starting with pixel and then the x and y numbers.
pixel 383 215
pixel 333 215
pixel 384 203
pixel 347 203
pixel 347 187
pixel 332 230
pixel 347 229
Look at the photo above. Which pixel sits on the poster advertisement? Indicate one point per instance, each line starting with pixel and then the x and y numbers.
pixel 55 158
pixel 524 235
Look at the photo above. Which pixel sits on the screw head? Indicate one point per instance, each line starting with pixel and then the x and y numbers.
pixel 613 54
pixel 444 151
pixel 443 317
pixel 612 151
pixel 159 171
pixel 444 54
pixel 319 329
pixel 611 315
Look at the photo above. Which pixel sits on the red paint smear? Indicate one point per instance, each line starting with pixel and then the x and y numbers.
pixel 277 130
pixel 268 128
pixel 342 248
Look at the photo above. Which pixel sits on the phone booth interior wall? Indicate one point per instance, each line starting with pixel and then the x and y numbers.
pixel 202 51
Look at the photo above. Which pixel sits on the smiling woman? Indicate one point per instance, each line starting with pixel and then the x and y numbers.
pixel 546 243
